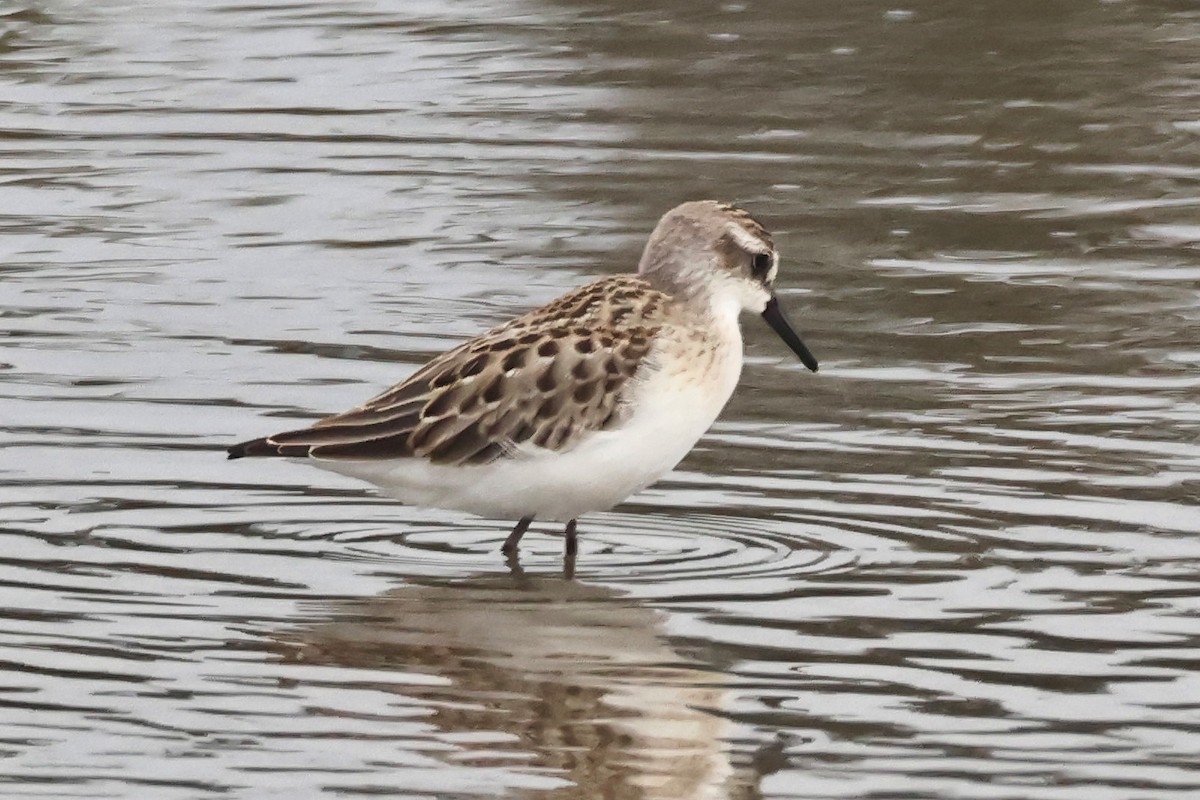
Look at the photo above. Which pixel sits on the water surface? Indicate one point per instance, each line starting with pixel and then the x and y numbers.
pixel 959 562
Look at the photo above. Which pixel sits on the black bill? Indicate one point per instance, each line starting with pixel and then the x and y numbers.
pixel 773 314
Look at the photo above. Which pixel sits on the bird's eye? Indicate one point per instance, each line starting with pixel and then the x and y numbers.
pixel 760 266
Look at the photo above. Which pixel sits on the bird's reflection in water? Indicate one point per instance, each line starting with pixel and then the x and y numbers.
pixel 575 681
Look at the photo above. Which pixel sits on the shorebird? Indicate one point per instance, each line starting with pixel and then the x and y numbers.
pixel 574 406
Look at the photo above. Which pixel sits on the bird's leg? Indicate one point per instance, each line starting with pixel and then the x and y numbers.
pixel 510 544
pixel 572 541
pixel 569 552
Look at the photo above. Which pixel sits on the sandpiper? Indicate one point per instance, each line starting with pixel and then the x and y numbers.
pixel 578 404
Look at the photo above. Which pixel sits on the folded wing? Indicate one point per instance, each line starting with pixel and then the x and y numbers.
pixel 543 380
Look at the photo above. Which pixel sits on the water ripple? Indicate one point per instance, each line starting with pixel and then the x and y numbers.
pixel 958 562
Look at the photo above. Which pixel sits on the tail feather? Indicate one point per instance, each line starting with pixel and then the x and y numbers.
pixel 254 447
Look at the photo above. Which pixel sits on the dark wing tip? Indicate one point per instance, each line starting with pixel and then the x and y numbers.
pixel 254 447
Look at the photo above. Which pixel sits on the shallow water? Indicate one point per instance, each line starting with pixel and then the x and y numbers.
pixel 959 562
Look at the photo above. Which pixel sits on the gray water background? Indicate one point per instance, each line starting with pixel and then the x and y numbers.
pixel 959 562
